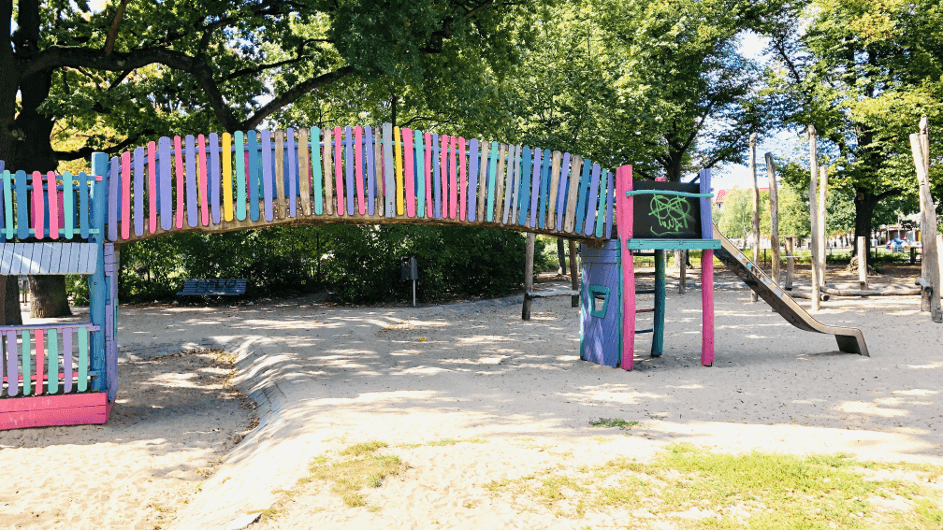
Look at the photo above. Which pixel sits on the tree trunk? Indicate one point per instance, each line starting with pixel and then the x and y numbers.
pixel 561 257
pixel 865 202
pixel 48 297
pixel 10 295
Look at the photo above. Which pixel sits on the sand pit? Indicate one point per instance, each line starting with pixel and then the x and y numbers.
pixel 469 397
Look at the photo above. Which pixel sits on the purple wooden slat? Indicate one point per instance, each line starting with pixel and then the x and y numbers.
pixel 472 179
pixel 561 190
pixel 707 225
pixel 535 189
pixel 292 172
pixel 164 184
pixel 190 153
pixel 371 169
pixel 113 200
pixel 13 374
pixel 610 199
pixel 67 359
pixel 214 175
pixel 591 202
pixel 436 185
pixel 348 169
pixel 268 173
pixel 139 191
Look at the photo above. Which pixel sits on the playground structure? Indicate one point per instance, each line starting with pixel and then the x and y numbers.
pixel 220 183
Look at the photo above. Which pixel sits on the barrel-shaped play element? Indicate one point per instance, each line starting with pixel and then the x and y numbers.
pixel 601 304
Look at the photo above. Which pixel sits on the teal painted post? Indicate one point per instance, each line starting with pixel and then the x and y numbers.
pixel 658 335
pixel 96 282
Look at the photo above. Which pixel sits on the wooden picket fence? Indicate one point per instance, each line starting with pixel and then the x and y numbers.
pixel 355 174
pixel 44 359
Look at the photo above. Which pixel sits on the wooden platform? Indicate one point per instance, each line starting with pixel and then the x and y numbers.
pixel 46 411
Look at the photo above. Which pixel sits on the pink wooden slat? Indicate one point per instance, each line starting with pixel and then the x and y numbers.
pixel 338 169
pixel 126 195
pixel 410 171
pixel 204 198
pixel 178 166
pixel 444 175
pixel 151 187
pixel 39 221
pixel 453 182
pixel 358 167
pixel 40 345
pixel 430 207
pixel 54 217
pixel 461 189
pixel 624 206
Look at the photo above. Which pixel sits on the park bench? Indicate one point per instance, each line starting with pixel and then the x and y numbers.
pixel 213 287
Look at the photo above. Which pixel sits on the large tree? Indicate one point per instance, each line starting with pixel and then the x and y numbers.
pixel 136 70
pixel 862 73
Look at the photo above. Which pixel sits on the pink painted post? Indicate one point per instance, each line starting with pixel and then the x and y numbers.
pixel 53 205
pixel 358 167
pixel 409 171
pixel 39 222
pixel 707 274
pixel 624 207
pixel 126 195
pixel 178 163
pixel 453 184
pixel 40 360
pixel 461 190
pixel 338 169
pixel 152 185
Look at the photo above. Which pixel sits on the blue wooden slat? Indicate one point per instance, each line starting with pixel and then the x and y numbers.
pixel 591 200
pixel 189 152
pixel 610 202
pixel 268 172
pixel 22 218
pixel 524 199
pixel 584 183
pixel 253 176
pixel 215 185
pixel 535 188
pixel 371 172
pixel 472 192
pixel 564 187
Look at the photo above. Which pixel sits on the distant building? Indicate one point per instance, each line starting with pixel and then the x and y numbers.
pixel 721 195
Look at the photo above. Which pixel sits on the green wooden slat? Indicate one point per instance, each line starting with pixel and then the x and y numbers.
pixel 83 358
pixel 603 197
pixel 240 175
pixel 316 170
pixel 24 335
pixel 53 356
pixel 68 204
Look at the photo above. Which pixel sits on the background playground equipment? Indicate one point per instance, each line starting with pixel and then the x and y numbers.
pixel 58 374
pixel 220 183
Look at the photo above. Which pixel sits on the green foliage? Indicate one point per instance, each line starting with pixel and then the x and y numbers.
pixel 454 262
pixel 736 215
pixel 77 286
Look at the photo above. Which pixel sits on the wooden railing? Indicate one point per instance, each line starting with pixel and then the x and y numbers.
pixel 46 359
pixel 52 206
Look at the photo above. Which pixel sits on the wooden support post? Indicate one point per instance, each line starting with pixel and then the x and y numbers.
pixel 682 257
pixel 929 266
pixel 756 210
pixel 528 274
pixel 862 262
pixel 790 262
pixel 574 276
pixel 774 216
pixel 813 216
pixel 820 224
pixel 707 275
pixel 97 288
pixel 561 257
pixel 658 327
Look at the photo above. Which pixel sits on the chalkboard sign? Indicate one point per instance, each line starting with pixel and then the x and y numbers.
pixel 666 216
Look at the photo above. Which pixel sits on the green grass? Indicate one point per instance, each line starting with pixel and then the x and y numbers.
pixel 753 491
pixel 361 469
pixel 614 422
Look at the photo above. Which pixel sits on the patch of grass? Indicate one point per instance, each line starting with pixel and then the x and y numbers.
pixel 753 490
pixel 363 468
pixel 444 442
pixel 614 422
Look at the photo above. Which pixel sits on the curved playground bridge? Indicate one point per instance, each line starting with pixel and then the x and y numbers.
pixel 255 179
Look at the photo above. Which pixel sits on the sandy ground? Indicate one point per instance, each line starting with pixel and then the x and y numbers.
pixel 465 394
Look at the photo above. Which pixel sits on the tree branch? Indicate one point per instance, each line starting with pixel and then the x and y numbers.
pixel 86 152
pixel 113 31
pixel 293 94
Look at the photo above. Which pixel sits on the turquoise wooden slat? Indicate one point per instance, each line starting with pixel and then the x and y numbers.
pixel 591 199
pixel 420 165
pixel 191 199
pixel 292 161
pixel 253 176
pixel 139 191
pixel 22 221
pixel 585 182
pixel 535 188
pixel 84 226
pixel 52 345
pixel 214 170
pixel 544 189
pixel 8 204
pixel 610 200
pixel 83 358
pixel 524 198
pixel 317 180
pixel 241 183
pixel 472 180
pixel 604 186
pixel 165 185
pixel 492 179
pixel 68 205
pixel 268 173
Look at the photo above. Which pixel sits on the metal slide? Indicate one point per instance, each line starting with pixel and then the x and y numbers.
pixel 850 340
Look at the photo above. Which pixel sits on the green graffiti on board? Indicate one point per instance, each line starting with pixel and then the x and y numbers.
pixel 672 213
